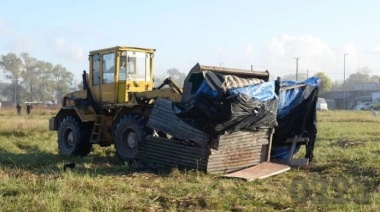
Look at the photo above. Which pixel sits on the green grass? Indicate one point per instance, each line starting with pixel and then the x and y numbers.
pixel 344 177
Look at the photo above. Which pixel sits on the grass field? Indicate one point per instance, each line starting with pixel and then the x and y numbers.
pixel 344 177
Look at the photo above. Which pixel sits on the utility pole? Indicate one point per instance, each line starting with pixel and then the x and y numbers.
pixel 307 74
pixel 296 67
pixel 344 81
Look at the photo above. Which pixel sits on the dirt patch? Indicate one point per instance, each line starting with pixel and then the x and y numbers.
pixel 182 202
pixel 348 143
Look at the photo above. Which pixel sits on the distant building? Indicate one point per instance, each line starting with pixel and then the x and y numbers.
pixel 370 86
pixel 360 92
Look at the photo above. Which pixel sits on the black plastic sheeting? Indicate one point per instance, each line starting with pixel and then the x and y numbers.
pixel 227 103
pixel 230 114
pixel 300 121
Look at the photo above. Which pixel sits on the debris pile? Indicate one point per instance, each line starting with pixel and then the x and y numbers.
pixel 227 119
pixel 224 122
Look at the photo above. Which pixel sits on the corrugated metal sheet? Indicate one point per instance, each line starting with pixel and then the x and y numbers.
pixel 164 119
pixel 239 150
pixel 173 153
pixel 243 138
pixel 236 151
pixel 225 82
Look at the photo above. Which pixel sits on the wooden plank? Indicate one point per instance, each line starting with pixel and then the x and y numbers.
pixel 298 140
pixel 269 145
pixel 260 171
pixel 292 163
pixel 292 148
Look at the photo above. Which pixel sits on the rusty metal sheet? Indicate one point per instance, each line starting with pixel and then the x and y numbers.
pixel 242 139
pixel 164 119
pixel 234 159
pixel 231 155
pixel 260 171
pixel 173 153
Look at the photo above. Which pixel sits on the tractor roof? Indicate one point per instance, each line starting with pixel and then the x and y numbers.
pixel 123 48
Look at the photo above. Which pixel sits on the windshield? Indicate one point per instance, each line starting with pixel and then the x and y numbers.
pixel 135 66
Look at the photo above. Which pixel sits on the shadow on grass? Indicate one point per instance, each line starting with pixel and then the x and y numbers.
pixel 40 162
pixel 344 166
pixel 28 147
pixel 338 182
pixel 16 133
pixel 346 177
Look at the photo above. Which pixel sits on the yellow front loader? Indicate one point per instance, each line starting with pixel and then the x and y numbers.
pixel 113 106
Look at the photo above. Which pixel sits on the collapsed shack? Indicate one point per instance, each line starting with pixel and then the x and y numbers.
pixel 191 148
pixel 223 123
pixel 228 120
pixel 296 119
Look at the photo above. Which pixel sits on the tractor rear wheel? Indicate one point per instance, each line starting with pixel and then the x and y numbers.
pixel 74 137
pixel 129 133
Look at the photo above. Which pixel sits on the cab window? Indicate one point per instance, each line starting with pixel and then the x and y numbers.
pixel 123 66
pixel 135 66
pixel 95 69
pixel 108 68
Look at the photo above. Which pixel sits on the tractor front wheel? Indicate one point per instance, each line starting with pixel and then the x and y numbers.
pixel 130 132
pixel 74 137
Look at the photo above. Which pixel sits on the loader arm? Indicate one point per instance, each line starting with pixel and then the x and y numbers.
pixel 168 81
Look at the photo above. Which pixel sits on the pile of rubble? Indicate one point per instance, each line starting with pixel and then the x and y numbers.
pixel 225 121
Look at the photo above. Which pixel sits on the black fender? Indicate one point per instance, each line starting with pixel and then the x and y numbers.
pixel 55 121
pixel 142 110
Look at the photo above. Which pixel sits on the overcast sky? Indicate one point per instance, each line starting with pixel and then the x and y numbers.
pixel 265 34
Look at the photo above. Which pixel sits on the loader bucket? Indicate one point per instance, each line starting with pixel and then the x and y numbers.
pixel 220 78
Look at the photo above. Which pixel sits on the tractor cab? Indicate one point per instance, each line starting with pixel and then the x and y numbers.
pixel 118 71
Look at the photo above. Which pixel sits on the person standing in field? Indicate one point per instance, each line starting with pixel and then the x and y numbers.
pixel 18 108
pixel 28 108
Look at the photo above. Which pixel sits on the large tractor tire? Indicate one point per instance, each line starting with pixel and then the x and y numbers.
pixel 74 137
pixel 129 133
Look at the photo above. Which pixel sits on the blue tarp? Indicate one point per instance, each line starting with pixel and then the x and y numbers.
pixel 295 116
pixel 205 89
pixel 290 98
pixel 261 92
pixel 313 81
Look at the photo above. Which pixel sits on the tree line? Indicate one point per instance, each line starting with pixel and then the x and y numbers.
pixel 30 79
pixel 362 75
pixel 176 75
